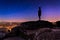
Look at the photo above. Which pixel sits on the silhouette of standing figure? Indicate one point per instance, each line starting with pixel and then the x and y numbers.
pixel 39 13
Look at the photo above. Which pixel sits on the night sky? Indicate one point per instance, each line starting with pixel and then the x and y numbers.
pixel 27 10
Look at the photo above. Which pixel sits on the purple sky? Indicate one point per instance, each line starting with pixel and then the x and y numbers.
pixel 26 10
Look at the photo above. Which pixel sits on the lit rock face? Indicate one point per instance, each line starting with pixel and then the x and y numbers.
pixel 2 34
pixel 45 36
pixel 39 34
pixel 48 35
pixel 57 35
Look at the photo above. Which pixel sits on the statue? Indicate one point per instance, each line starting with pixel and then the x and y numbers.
pixel 39 13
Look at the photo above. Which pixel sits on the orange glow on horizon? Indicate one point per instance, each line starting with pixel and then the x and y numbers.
pixel 13 20
pixel 24 20
pixel 52 19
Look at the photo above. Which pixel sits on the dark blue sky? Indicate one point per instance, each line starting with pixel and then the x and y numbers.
pixel 26 10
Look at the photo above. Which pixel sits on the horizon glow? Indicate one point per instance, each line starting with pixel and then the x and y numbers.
pixel 27 10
